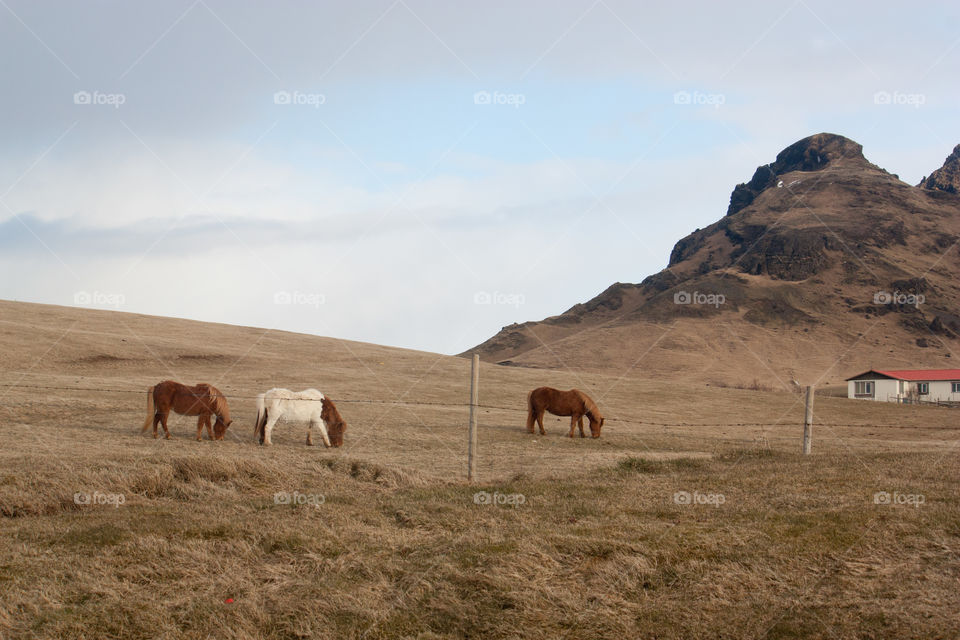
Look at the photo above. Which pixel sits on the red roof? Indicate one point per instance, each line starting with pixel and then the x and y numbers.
pixel 916 375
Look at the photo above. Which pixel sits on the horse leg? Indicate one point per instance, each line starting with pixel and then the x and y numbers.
pixel 323 433
pixel 580 425
pixel 540 421
pixel 209 419
pixel 163 421
pixel 310 434
pixel 267 430
pixel 573 423
pixel 200 428
pixel 156 421
pixel 261 423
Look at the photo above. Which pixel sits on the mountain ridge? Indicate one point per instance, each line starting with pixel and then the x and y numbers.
pixel 809 251
pixel 947 177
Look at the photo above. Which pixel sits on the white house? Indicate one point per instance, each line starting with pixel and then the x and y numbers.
pixel 906 385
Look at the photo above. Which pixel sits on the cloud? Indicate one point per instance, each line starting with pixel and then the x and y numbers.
pixel 397 196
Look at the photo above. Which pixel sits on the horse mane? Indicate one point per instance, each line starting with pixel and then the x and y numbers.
pixel 590 406
pixel 332 408
pixel 215 399
pixel 220 406
pixel 336 425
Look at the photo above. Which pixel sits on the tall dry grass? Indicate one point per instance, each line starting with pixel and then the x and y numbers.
pixel 797 547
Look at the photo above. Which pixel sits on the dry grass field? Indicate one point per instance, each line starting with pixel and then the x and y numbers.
pixel 693 516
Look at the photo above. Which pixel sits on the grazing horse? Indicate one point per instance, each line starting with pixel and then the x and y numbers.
pixel 202 400
pixel 573 403
pixel 308 406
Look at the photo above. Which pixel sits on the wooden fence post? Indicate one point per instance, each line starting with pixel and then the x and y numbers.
pixel 808 422
pixel 474 401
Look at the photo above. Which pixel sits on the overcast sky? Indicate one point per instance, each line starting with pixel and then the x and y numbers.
pixel 417 173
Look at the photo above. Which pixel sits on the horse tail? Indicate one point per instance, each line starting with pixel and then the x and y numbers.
pixel 151 411
pixel 261 416
pixel 531 412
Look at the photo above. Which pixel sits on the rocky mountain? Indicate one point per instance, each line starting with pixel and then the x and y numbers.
pixel 947 177
pixel 824 265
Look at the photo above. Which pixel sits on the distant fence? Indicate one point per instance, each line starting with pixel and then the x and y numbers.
pixel 234 394
pixel 474 406
pixel 953 404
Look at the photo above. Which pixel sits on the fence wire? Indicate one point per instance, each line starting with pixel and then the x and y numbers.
pixel 620 419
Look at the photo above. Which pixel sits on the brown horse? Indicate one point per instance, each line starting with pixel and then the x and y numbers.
pixel 202 400
pixel 573 403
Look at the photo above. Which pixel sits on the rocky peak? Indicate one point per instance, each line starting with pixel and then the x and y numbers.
pixel 947 177
pixel 810 154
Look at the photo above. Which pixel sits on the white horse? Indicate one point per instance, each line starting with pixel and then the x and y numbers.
pixel 308 406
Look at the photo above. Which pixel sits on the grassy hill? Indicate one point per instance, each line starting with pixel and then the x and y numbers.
pixel 692 516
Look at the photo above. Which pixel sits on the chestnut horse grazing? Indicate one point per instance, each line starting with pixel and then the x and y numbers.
pixel 202 400
pixel 573 403
pixel 308 406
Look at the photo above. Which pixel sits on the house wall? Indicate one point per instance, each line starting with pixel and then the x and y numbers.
pixel 939 390
pixel 887 390
pixel 884 389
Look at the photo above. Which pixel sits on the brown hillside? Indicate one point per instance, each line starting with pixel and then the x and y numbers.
pixel 609 540
pixel 826 264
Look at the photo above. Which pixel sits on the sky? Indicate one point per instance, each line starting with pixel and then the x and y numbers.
pixel 422 173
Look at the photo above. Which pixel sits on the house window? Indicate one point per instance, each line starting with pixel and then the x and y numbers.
pixel 955 387
pixel 923 388
pixel 863 388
